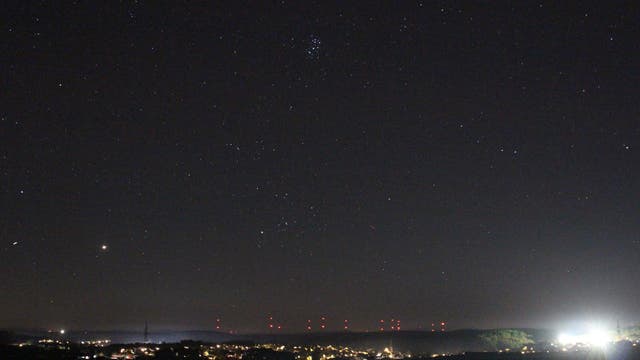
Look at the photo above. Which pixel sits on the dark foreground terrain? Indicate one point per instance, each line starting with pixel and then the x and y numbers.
pixel 193 350
pixel 496 344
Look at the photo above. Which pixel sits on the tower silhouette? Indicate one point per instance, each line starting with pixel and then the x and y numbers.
pixel 146 332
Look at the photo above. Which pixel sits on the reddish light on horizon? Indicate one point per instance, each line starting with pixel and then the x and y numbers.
pixel 270 323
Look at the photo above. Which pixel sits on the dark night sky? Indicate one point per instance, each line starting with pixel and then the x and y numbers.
pixel 474 162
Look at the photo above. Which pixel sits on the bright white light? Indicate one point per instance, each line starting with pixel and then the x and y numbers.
pixel 565 339
pixel 104 247
pixel 598 337
pixel 595 337
pixel 61 331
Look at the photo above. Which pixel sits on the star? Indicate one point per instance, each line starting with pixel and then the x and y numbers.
pixel 104 247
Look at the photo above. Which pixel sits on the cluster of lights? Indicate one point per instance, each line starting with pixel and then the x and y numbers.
pixel 322 324
pixel 225 351
pixel 394 325
pixel 273 326
pixel 443 326
pixel 95 342
pixel 324 352
pixel 50 341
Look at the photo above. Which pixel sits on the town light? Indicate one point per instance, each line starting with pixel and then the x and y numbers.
pixel 595 337
pixel 598 337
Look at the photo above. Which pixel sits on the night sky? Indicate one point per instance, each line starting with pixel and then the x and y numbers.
pixel 474 162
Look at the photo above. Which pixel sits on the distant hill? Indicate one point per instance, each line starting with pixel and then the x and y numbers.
pixel 417 342
pixel 118 337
